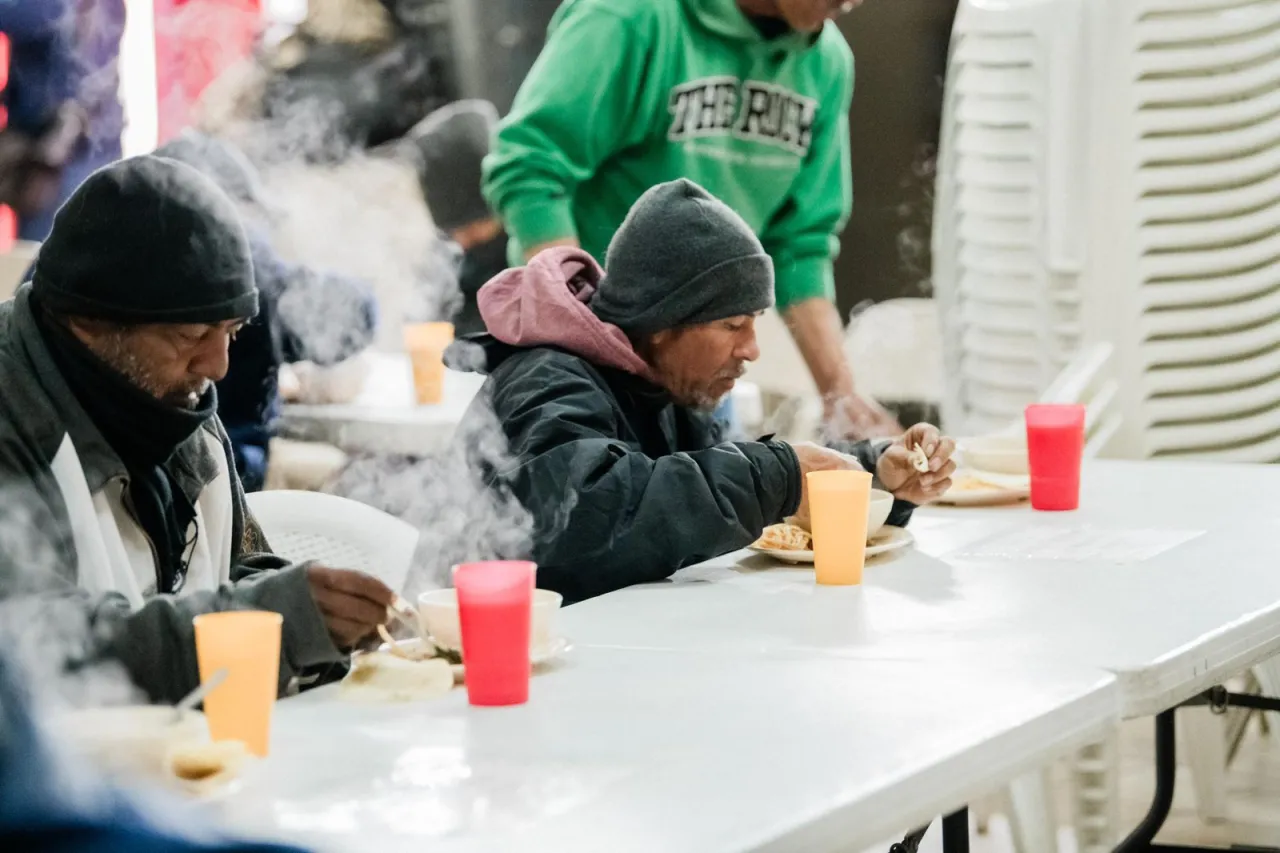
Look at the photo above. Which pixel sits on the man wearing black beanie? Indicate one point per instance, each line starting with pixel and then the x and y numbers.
pixel 117 485
pixel 605 383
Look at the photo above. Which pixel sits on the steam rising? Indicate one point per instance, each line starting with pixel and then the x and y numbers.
pixel 915 239
pixel 366 218
pixel 458 517
pixel 48 636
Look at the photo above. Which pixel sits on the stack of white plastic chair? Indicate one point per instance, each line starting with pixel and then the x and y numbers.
pixel 1185 279
pixel 1007 242
pixel 1110 172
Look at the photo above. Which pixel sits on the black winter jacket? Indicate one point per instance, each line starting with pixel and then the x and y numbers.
pixel 624 485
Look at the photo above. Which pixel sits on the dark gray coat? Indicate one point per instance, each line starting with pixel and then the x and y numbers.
pixel 49 452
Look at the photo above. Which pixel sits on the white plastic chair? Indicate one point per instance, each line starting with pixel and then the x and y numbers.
pixel 338 532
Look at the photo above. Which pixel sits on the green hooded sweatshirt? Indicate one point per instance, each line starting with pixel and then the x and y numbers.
pixel 630 93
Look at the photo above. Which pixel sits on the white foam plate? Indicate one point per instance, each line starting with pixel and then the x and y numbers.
pixel 538 657
pixel 1004 489
pixel 889 538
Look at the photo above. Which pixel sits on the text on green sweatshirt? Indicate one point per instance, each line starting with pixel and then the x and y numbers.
pixel 627 94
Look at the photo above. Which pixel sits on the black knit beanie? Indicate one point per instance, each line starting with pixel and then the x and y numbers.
pixel 682 257
pixel 147 240
pixel 451 145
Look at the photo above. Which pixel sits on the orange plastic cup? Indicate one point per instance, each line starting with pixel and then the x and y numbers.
pixel 426 343
pixel 838 504
pixel 247 644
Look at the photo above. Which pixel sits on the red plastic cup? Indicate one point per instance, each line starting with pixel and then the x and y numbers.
pixel 495 613
pixel 1055 448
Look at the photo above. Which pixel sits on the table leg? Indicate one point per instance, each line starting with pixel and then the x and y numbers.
pixel 910 843
pixel 955 832
pixel 1139 841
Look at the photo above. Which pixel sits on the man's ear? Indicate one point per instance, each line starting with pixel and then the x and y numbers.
pixel 657 339
pixel 88 330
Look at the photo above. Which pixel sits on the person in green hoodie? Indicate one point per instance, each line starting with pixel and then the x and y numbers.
pixel 747 98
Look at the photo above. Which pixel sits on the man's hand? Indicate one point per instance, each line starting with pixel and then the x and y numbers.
pixel 815 458
pixel 352 603
pixel 897 472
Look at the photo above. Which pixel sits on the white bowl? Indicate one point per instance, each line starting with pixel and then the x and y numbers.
pixel 438 615
pixel 999 454
pixel 878 511
pixel 130 740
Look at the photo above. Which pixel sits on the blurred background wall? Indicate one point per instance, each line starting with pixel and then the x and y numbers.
pixel 900 50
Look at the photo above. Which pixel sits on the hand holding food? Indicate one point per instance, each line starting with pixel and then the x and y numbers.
pixel 352 603
pixel 918 466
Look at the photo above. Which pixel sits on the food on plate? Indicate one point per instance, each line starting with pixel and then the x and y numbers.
pixel 201 767
pixel 920 460
pixel 402 676
pixel 785 537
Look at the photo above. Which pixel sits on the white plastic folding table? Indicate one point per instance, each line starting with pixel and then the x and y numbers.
pixel 739 707
pixel 633 751
pixel 1165 577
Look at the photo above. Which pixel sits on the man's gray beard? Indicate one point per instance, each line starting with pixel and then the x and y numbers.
pixel 117 356
pixel 708 405
pixel 702 402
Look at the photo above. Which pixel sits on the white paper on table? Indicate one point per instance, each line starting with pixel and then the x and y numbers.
pixel 1084 544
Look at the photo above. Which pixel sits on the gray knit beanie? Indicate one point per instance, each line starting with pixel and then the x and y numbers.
pixel 682 257
pixel 451 145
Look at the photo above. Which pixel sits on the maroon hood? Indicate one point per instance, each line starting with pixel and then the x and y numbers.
pixel 547 304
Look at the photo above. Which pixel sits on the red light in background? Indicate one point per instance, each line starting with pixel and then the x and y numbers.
pixel 8 222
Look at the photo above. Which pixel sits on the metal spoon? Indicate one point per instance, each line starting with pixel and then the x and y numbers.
pixel 195 697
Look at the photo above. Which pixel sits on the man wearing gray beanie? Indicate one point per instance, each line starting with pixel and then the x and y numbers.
pixel 119 500
pixel 605 381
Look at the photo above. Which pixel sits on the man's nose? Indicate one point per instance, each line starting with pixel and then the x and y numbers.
pixel 212 359
pixel 748 350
